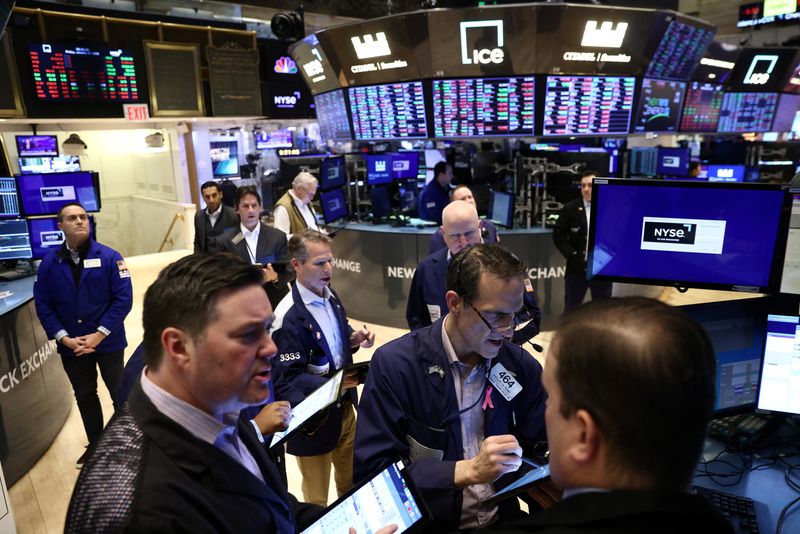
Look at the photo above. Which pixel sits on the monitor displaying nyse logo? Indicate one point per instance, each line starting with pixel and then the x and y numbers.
pixel 760 68
pixel 671 161
pixel 606 36
pixel 480 52
pixel 51 238
pixel 285 65
pixel 367 46
pixel 401 165
pixel 63 192
pixel 683 235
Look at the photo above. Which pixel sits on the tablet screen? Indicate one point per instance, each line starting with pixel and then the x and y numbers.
pixel 385 499
pixel 522 483
pixel 321 398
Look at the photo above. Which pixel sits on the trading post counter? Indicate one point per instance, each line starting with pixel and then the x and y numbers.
pixel 35 394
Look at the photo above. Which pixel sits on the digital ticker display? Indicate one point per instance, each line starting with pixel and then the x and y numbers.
pixel 659 106
pixel 680 49
pixel 332 116
pixel 480 107
pixel 390 111
pixel 701 107
pixel 588 105
pixel 747 112
pixel 77 73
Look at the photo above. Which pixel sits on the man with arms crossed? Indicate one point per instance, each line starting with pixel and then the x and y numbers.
pixel 438 398
pixel 631 390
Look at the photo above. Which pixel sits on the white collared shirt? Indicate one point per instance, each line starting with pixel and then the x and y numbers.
pixel 281 215
pixel 214 217
pixel 251 240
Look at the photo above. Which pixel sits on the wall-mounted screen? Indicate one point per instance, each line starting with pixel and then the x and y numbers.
pixel 83 72
pixel 480 107
pixel 15 244
pixel 701 107
pixel 679 51
pixel 9 200
pixel 334 205
pixel 588 105
pixel 788 114
pixel 391 111
pixel 275 139
pixel 672 161
pixel 332 173
pixel 37 145
pixel 224 158
pixel 45 194
pixel 332 116
pixel 659 106
pixel 747 112
pixel 688 234
pixel 45 165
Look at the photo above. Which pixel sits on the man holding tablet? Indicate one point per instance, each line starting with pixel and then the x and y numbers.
pixel 456 398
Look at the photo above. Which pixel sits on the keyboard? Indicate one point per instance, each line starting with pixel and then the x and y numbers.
pixel 740 511
pixel 743 430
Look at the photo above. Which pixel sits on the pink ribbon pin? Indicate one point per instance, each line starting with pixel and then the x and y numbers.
pixel 487 400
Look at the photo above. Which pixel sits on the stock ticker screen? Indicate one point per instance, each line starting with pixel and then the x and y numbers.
pixel 588 105
pixel 701 107
pixel 390 111
pixel 747 112
pixel 332 115
pixel 479 107
pixel 83 73
pixel 680 49
pixel 659 105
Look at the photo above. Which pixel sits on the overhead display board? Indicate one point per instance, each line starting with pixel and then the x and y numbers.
pixel 747 112
pixel 660 104
pixel 233 77
pixel 787 114
pixel 479 107
pixel 701 107
pixel 314 65
pixel 680 49
pixel 331 111
pixel 763 69
pixel 588 105
pixel 487 41
pixel 173 72
pixel 391 111
pixel 717 63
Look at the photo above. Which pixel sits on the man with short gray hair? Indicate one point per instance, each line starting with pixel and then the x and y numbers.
pixel 293 211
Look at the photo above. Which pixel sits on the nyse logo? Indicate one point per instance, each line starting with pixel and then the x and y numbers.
pixel 334 204
pixel 665 232
pixel 401 165
pixel 380 166
pixel 760 69
pixel 333 173
pixel 604 37
pixel 286 101
pixel 483 56
pixel 51 238
pixel 368 46
pixel 63 192
pixel 671 161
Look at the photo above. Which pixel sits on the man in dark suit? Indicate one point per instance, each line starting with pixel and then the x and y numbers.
pixel 626 417
pixel 211 222
pixel 257 243
pixel 570 236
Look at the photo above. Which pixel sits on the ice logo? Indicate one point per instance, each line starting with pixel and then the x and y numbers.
pixel 285 65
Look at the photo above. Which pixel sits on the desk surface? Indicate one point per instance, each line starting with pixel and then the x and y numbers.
pixel 418 226
pixel 21 292
pixel 764 484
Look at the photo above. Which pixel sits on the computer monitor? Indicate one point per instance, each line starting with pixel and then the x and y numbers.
pixel 389 111
pixel 334 205
pixel 379 169
pixel 501 208
pixel 9 199
pixel 710 235
pixel 644 161
pixel 736 329
pixel 332 173
pixel 779 390
pixel 224 159
pixel 45 194
pixel 37 145
pixel 405 165
pixel 14 241
pixel 724 173
pixel 275 139
pixel 35 165
pixel 672 161
pixel 588 105
pixel 45 235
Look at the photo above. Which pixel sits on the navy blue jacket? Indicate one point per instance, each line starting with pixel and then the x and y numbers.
pixel 429 286
pixel 432 201
pixel 406 395
pixel 103 297
pixel 301 343
pixel 488 232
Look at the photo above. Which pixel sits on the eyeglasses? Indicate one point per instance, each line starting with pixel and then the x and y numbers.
pixel 522 316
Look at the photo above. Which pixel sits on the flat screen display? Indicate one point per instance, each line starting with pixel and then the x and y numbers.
pixel 314 65
pixel 501 209
pixel 688 234
pixel 224 158
pixel 701 107
pixel 672 161
pixel 379 169
pixel 275 139
pixel 9 200
pixel 588 105
pixel 786 116
pixel 679 51
pixel 644 161
pixel 45 194
pixel 37 145
pixel 763 69
pixel 83 72
pixel 332 173
pixel 45 164
pixel 332 116
pixel 780 380
pixel 724 173
pixel 391 111
pixel 405 165
pixel 46 236
pixel 479 107
pixel 747 112
pixel 659 106
pixel 334 205
pixel 14 241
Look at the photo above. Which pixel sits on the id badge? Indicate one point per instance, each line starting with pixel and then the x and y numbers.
pixel 504 382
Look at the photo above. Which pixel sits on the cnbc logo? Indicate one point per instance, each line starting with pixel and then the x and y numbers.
pixel 285 65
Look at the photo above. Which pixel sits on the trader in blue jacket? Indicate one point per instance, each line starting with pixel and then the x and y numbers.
pixel 436 196
pixel 426 297
pixel 315 340
pixel 83 294
pixel 456 399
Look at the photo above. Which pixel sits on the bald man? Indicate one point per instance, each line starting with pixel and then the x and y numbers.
pixel 488 230
pixel 426 298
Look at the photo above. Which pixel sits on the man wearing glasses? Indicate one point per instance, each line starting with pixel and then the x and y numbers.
pixel 426 297
pixel 456 398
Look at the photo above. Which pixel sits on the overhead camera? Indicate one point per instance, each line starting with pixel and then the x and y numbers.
pixel 154 140
pixel 74 145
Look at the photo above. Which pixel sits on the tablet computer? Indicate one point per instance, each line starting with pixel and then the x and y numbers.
pixel 361 368
pixel 318 400
pixel 535 476
pixel 385 499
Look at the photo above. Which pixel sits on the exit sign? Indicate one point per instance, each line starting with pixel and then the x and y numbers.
pixel 136 112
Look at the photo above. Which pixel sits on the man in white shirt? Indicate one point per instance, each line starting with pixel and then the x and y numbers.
pixel 293 211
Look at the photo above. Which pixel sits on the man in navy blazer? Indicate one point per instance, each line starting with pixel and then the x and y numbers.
pixel 426 297
pixel 257 243
pixel 314 340
pixel 83 293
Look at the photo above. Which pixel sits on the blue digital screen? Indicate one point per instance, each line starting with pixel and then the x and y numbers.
pixel 46 236
pixel 46 194
pixel 379 169
pixel 334 205
pixel 332 173
pixel 673 161
pixel 405 165
pixel 724 173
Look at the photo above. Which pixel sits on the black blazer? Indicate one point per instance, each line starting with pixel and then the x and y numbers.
pixel 570 235
pixel 227 219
